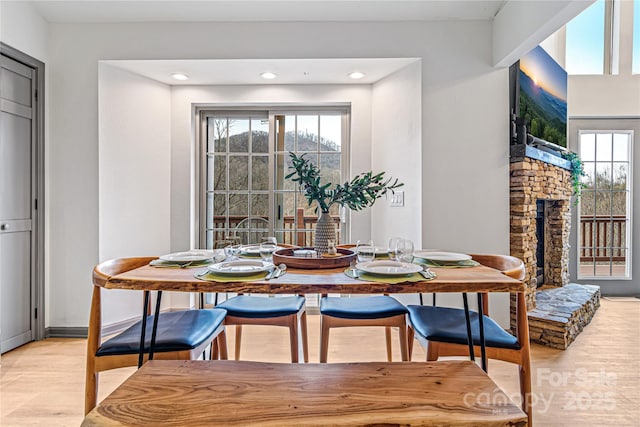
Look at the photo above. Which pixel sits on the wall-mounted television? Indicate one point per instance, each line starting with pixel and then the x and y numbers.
pixel 538 89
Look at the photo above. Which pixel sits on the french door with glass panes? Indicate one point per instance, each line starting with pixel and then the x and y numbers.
pixel 245 158
pixel 605 204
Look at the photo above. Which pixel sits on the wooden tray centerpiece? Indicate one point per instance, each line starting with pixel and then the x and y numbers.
pixel 342 259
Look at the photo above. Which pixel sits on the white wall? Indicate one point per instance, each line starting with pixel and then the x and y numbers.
pixel 134 182
pixel 397 150
pixel 22 28
pixel 464 125
pixel 604 96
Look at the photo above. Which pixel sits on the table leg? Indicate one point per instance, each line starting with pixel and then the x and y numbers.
pixel 483 344
pixel 144 328
pixel 468 321
pixel 154 329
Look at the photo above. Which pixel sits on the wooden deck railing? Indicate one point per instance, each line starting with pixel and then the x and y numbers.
pixel 602 238
pixel 300 231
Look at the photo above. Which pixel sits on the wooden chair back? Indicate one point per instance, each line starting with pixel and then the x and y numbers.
pixel 101 274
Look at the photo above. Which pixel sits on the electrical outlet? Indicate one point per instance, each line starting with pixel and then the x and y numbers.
pixel 397 199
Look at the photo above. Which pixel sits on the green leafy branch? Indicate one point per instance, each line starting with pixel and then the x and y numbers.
pixel 362 191
pixel 577 172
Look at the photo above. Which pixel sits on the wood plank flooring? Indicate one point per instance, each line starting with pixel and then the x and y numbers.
pixel 595 382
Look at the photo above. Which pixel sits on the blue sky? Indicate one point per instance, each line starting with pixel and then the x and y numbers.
pixel 585 41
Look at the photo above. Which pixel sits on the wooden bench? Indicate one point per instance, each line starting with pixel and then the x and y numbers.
pixel 233 393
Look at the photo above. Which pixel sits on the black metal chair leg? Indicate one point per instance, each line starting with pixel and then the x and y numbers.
pixel 483 344
pixel 468 321
pixel 421 301
pixel 154 329
pixel 144 328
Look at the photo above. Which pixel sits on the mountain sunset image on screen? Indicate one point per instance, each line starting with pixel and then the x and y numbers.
pixel 543 97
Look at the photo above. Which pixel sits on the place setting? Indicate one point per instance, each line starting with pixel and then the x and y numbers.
pixel 195 258
pixel 396 267
pixel 268 244
pixel 441 259
pixel 236 268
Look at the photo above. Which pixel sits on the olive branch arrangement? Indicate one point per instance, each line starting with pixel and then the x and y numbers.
pixel 361 192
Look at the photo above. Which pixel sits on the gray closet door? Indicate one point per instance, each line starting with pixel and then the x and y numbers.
pixel 16 196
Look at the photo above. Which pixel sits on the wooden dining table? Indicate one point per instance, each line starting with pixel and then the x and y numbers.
pixel 332 281
pixel 318 281
pixel 479 279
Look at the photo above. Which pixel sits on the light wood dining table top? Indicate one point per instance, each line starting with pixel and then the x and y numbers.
pixel 297 281
pixel 232 393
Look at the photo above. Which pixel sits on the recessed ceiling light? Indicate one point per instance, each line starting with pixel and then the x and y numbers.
pixel 356 75
pixel 180 76
pixel 268 75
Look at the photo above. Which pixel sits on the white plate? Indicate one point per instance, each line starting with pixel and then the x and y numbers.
pixel 253 250
pixel 367 250
pixel 442 256
pixel 388 268
pixel 189 256
pixel 240 267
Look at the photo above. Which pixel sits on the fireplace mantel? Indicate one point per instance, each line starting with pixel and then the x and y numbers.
pixel 519 151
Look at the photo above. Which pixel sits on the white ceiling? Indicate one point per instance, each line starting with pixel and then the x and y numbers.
pixel 265 10
pixel 230 72
pixel 247 71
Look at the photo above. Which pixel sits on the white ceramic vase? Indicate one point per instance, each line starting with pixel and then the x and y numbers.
pixel 325 231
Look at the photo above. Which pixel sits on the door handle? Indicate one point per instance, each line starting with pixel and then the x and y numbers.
pixel 4 227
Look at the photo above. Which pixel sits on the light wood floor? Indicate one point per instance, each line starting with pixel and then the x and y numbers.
pixel 595 382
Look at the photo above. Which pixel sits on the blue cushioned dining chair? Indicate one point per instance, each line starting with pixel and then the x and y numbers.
pixel 445 329
pixel 380 310
pixel 181 335
pixel 255 310
pixel 289 312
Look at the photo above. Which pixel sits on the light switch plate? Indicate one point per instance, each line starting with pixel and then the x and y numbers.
pixel 397 199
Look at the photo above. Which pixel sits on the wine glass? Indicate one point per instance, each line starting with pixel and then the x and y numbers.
pixel 365 250
pixel 404 250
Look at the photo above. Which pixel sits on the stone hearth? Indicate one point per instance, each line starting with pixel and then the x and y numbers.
pixel 536 175
pixel 562 313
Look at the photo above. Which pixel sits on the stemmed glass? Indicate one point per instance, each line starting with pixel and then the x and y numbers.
pixel 365 250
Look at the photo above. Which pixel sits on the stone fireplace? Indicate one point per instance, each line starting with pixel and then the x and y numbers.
pixel 540 196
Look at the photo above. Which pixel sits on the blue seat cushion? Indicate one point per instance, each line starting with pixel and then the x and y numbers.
pixel 253 307
pixel 444 324
pixel 375 307
pixel 177 331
